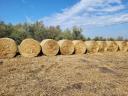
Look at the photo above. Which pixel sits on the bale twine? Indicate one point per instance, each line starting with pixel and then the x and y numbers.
pixel 92 46
pixel 29 48
pixel 111 46
pixel 102 45
pixel 66 47
pixel 8 48
pixel 123 46
pixel 49 47
pixel 79 46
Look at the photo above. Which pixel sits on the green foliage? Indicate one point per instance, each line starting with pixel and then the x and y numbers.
pixel 65 35
pixel 99 38
pixel 18 34
pixel 110 39
pixel 77 33
pixel 88 39
pixel 120 38
pixel 38 31
pixel 5 30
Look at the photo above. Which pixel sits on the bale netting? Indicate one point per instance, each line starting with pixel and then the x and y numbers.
pixel 50 47
pixel 102 45
pixel 123 46
pixel 79 46
pixel 66 47
pixel 29 48
pixel 92 46
pixel 8 48
pixel 111 46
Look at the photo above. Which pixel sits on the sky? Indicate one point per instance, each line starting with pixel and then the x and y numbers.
pixel 107 18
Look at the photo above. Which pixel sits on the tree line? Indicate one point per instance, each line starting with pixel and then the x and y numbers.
pixel 39 32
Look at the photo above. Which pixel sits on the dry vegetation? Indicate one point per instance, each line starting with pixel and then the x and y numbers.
pixel 49 47
pixel 29 48
pixel 79 46
pixel 102 46
pixel 99 74
pixel 92 46
pixel 112 46
pixel 66 47
pixel 123 46
pixel 8 48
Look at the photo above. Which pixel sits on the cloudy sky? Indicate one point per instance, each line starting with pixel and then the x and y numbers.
pixel 108 18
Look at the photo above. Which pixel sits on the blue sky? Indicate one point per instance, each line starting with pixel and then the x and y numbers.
pixel 16 11
pixel 107 18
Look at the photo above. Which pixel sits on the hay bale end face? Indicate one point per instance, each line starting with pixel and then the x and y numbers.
pixel 29 48
pixel 92 46
pixel 123 46
pixel 79 46
pixel 8 48
pixel 102 45
pixel 111 46
pixel 66 47
pixel 49 47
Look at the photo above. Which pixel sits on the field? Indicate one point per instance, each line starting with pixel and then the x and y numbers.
pixel 99 74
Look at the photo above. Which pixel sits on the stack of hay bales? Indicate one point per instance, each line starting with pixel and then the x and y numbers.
pixel 102 45
pixel 111 46
pixel 123 46
pixel 49 47
pixel 8 48
pixel 80 47
pixel 29 48
pixel 66 47
pixel 92 46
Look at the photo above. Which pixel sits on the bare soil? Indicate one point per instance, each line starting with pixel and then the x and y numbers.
pixel 99 74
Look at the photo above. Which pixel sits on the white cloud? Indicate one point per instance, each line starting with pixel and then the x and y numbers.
pixel 90 13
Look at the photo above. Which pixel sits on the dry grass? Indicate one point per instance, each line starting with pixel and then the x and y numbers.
pixel 99 74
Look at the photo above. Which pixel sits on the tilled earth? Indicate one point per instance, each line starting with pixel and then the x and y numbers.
pixel 99 74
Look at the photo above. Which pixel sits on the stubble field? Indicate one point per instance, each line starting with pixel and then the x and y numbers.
pixel 99 74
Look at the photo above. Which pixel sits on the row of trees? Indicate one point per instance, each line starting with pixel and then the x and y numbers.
pixel 39 32
pixel 99 38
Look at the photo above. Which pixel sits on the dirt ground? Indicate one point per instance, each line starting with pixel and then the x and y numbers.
pixel 99 74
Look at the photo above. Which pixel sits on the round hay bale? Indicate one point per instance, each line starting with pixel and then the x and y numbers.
pixel 66 47
pixel 29 48
pixel 79 46
pixel 123 46
pixel 92 46
pixel 8 48
pixel 102 45
pixel 111 46
pixel 50 47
